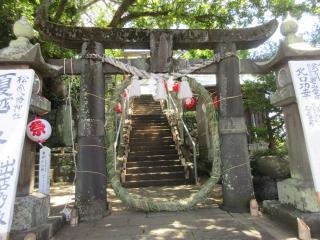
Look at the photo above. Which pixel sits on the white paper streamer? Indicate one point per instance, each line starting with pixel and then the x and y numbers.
pixel 170 84
pixel 185 90
pixel 134 89
pixel 161 93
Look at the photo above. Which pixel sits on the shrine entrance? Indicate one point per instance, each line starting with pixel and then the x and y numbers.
pixel 228 136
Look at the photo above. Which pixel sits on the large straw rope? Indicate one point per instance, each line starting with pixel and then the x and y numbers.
pixel 149 204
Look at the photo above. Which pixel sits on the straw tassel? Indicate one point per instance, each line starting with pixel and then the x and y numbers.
pixel 185 90
pixel 134 90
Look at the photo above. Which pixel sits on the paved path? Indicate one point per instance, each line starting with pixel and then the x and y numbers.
pixel 205 222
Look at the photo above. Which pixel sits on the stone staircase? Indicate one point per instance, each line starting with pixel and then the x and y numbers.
pixel 153 159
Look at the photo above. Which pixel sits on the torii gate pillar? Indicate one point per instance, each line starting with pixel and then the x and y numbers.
pixel 91 172
pixel 236 177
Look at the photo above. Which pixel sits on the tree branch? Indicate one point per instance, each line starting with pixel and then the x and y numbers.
pixel 135 15
pixel 60 10
pixel 121 10
pixel 84 7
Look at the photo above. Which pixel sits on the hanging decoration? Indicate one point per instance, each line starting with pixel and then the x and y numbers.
pixel 118 107
pixel 125 93
pixel 170 84
pixel 134 89
pixel 39 130
pixel 216 102
pixel 190 103
pixel 176 87
pixel 161 93
pixel 185 90
pixel 166 85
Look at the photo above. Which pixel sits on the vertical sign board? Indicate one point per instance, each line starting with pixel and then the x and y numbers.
pixel 44 170
pixel 15 94
pixel 306 82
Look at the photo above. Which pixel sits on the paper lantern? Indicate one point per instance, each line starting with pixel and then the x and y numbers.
pixel 176 87
pixel 39 130
pixel 190 103
pixel 185 90
pixel 118 107
pixel 216 102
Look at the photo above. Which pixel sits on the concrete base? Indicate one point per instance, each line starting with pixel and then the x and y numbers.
pixel 30 211
pixel 300 194
pixel 43 232
pixel 288 215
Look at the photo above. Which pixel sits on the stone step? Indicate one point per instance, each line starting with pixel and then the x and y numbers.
pixel 155 127
pixel 152 152
pixel 149 183
pixel 136 157
pixel 135 140
pixel 152 130
pixel 152 147
pixel 155 176
pixel 152 135
pixel 158 163
pixel 155 169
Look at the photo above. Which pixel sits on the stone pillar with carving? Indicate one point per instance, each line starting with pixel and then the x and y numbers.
pixel 31 208
pixel 297 190
pixel 297 196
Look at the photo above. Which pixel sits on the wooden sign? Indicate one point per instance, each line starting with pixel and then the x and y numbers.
pixel 44 170
pixel 15 94
pixel 306 82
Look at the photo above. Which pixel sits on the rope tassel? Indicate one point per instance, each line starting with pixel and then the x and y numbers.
pixel 161 93
pixel 185 90
pixel 134 90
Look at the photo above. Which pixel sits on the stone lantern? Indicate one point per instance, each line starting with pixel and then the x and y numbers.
pixel 31 208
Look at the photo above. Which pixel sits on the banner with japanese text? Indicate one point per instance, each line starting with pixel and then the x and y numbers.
pixel 15 94
pixel 306 82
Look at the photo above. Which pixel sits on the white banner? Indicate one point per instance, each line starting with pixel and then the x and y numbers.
pixel 306 82
pixel 44 170
pixel 15 94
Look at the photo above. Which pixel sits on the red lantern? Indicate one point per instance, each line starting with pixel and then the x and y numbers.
pixel 39 130
pixel 216 102
pixel 190 103
pixel 118 107
pixel 176 87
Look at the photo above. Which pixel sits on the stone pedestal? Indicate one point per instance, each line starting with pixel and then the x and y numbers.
pixel 30 211
pixel 299 193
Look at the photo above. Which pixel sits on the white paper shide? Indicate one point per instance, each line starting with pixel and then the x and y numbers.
pixel 15 94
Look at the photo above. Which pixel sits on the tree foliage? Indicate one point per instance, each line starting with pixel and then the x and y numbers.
pixel 257 100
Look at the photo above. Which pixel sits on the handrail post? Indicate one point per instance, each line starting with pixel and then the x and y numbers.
pixel 182 126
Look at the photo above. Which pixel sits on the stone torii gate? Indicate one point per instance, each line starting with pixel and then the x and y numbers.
pixel 91 180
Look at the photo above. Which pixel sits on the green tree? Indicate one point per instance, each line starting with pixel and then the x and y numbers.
pixel 257 100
